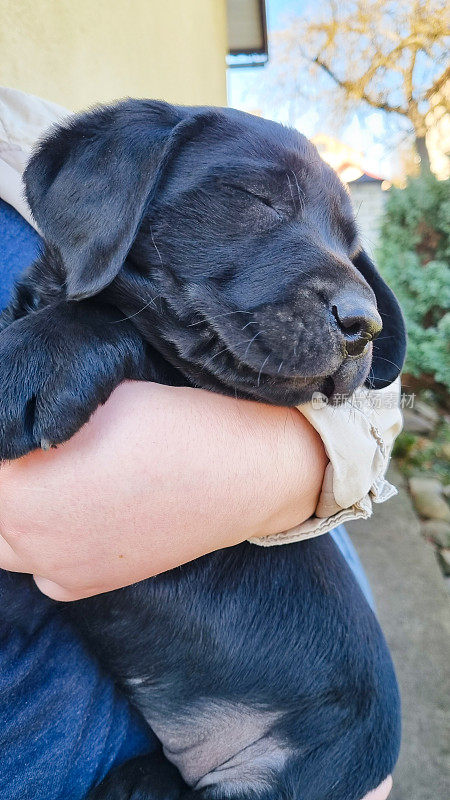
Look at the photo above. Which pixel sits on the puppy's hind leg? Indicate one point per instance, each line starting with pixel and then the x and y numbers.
pixel 149 777
pixel 153 777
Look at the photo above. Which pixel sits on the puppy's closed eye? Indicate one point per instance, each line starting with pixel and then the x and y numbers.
pixel 254 197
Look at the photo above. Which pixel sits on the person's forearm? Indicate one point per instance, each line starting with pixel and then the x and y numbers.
pixel 158 477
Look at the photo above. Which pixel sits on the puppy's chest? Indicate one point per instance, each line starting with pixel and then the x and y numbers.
pixel 217 742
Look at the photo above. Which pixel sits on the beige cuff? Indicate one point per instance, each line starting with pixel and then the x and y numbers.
pixel 358 436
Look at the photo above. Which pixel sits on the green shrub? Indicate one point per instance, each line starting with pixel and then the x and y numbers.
pixel 419 454
pixel 414 258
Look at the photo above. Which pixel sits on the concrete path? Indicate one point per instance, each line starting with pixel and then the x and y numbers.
pixel 414 611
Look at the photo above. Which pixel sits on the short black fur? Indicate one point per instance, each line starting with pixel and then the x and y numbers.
pixel 211 248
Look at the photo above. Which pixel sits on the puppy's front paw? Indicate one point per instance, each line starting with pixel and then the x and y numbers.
pixel 54 372
pixel 37 406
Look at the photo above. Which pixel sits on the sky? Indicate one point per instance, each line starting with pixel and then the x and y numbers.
pixel 367 137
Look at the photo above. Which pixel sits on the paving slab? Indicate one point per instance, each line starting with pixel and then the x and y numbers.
pixel 414 611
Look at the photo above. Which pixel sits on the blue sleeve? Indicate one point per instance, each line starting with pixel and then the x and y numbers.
pixel 19 246
pixel 63 724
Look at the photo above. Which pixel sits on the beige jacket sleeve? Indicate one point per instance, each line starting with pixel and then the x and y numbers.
pixel 358 436
pixel 23 121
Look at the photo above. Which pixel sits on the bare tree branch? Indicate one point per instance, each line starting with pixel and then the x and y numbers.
pixel 382 55
pixel 438 84
pixel 352 89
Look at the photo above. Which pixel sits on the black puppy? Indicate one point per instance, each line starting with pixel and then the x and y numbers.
pixel 208 247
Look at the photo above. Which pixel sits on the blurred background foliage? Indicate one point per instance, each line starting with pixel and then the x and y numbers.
pixel 413 256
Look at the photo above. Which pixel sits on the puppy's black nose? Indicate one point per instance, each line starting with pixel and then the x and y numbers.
pixel 358 319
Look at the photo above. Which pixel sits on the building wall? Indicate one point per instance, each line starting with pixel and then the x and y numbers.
pixel 368 201
pixel 81 52
pixel 438 136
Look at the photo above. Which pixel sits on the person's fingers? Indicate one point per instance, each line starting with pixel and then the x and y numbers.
pixel 55 591
pixel 9 560
pixel 382 791
pixel 61 593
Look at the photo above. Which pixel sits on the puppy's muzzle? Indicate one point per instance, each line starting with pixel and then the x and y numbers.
pixel 357 319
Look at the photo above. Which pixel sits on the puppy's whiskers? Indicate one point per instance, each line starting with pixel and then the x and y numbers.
pixel 292 193
pixel 262 367
pixel 212 319
pixel 225 350
pixel 251 342
pixel 252 322
pixel 155 246
pixel 228 350
pixel 389 362
pixel 140 310
pixel 301 196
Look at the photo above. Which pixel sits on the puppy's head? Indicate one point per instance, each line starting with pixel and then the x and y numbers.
pixel 227 240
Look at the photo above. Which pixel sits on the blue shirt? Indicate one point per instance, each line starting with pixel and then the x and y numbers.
pixel 63 723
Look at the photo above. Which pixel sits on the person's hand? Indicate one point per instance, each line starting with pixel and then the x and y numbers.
pixel 382 791
pixel 158 477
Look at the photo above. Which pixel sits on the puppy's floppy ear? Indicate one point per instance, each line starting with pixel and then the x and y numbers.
pixel 390 347
pixel 91 179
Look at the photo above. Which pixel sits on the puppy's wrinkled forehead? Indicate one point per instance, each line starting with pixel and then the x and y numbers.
pixel 236 144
